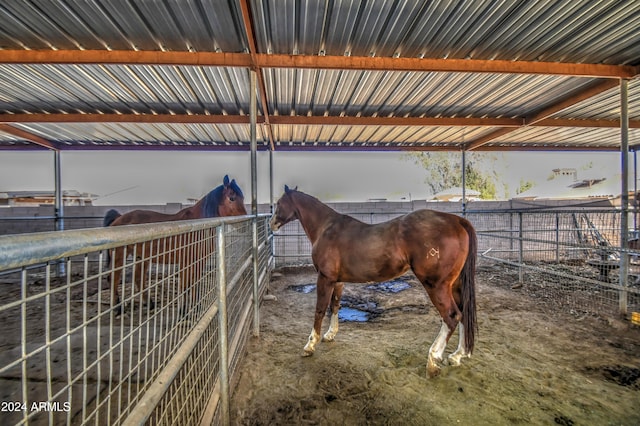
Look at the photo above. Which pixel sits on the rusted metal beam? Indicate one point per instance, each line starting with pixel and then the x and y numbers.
pixel 446 65
pixel 594 90
pixel 253 51
pixel 23 134
pixel 262 60
pixel 483 140
pixel 578 122
pixel 359 147
pixel 126 118
pixel 396 121
pixel 124 57
pixel 590 92
pixel 311 120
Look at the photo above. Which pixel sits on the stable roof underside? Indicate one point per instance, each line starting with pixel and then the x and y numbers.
pixel 341 74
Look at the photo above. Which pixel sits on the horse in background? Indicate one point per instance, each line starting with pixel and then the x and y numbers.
pixel 440 248
pixel 224 200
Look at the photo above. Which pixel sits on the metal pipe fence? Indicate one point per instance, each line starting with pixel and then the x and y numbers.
pixel 571 258
pixel 68 357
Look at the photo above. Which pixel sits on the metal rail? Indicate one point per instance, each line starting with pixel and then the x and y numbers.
pixel 67 356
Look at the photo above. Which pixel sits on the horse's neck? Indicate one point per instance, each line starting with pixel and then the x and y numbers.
pixel 193 212
pixel 314 216
pixel 207 206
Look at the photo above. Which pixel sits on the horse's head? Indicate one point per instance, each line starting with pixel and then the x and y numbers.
pixel 232 201
pixel 285 210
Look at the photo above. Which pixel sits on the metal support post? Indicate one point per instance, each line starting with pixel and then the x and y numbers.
pixel 253 112
pixel 624 194
pixel 223 326
pixel 464 183
pixel 58 204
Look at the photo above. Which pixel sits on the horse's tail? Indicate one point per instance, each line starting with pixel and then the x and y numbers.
pixel 468 282
pixel 110 217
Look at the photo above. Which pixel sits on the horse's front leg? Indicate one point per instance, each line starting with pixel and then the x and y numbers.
pixel 335 307
pixel 324 290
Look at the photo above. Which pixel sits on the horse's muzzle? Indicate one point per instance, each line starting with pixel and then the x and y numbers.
pixel 274 224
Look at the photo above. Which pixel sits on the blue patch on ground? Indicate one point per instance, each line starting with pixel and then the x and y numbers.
pixel 353 315
pixel 304 288
pixel 393 286
pixel 351 309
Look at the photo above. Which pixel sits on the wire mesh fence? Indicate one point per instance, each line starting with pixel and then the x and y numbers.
pixel 74 351
pixel 573 258
pixel 570 257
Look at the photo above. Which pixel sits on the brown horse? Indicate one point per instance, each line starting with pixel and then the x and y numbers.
pixel 439 248
pixel 225 200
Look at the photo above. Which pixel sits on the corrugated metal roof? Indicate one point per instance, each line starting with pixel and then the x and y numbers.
pixel 339 59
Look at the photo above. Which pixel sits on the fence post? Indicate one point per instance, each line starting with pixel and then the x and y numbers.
pixel 256 293
pixel 557 237
pixel 624 194
pixel 520 249
pixel 222 318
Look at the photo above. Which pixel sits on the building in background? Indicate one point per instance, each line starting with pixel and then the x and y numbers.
pixel 39 198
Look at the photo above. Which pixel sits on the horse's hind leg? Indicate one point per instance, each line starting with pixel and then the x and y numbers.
pixel 437 350
pixel 324 291
pixel 444 302
pixel 461 352
pixel 335 307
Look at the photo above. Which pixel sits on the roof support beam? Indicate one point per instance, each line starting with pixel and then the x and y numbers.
pixel 447 65
pixel 248 28
pixel 305 120
pixel 23 134
pixel 594 90
pixel 262 60
pixel 126 118
pixel 132 57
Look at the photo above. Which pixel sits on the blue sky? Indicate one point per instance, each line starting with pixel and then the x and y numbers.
pixel 137 177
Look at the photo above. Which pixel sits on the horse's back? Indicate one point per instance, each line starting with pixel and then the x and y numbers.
pixel 135 217
pixel 432 228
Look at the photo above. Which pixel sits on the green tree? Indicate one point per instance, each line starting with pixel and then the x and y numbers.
pixel 444 170
pixel 524 186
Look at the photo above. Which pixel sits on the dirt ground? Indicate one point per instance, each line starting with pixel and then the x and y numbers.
pixel 533 363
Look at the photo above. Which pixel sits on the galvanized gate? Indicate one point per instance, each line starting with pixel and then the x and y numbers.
pixel 68 357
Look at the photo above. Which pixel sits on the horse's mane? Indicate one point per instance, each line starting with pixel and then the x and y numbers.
pixel 212 200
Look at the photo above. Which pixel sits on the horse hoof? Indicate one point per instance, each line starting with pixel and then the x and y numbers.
pixel 308 350
pixel 433 371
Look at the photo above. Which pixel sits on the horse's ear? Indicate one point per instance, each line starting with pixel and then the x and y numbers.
pixel 286 189
pixel 225 181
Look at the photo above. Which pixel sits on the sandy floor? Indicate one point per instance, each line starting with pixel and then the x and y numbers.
pixel 533 363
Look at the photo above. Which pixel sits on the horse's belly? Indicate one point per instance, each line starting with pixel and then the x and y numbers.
pixel 356 268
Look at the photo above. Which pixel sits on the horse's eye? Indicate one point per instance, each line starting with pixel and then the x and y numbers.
pixel 232 198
